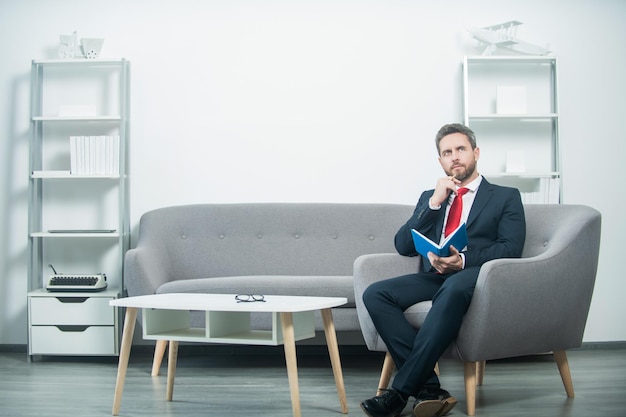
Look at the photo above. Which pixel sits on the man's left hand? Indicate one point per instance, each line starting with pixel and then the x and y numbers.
pixel 447 264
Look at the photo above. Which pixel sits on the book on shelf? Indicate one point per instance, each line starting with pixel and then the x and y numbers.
pixel 50 174
pixel 423 245
pixel 95 155
pixel 546 192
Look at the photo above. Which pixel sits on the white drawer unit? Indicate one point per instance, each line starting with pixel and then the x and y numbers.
pixel 72 323
pixel 73 340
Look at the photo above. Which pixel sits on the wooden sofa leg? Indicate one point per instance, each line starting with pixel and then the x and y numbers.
pixel 561 361
pixel 385 375
pixel 470 387
pixel 480 372
pixel 159 352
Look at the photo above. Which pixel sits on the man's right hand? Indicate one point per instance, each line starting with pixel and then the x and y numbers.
pixel 444 187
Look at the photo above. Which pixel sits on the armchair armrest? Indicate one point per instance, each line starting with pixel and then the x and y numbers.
pixel 372 268
pixel 527 306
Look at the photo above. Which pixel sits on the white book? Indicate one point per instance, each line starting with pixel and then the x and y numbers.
pixel 50 174
pixel 102 154
pixel 80 155
pixel 73 155
pixel 115 159
pixel 93 152
pixel 95 140
pixel 545 190
pixel 107 155
pixel 87 155
pixel 555 188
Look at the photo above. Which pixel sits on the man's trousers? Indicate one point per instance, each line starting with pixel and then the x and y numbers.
pixel 415 353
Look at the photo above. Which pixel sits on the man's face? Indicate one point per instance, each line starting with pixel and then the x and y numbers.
pixel 457 158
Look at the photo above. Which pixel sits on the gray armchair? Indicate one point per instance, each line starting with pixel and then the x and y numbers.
pixel 538 303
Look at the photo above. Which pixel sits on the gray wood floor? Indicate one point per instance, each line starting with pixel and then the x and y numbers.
pixel 233 381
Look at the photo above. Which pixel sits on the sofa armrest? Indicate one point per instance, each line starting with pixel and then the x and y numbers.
pixel 145 270
pixel 371 268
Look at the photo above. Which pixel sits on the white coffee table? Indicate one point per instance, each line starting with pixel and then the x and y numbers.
pixel 167 317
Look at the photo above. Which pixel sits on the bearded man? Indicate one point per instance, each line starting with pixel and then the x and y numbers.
pixel 496 228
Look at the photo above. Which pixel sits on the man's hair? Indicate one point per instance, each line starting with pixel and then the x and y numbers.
pixel 455 128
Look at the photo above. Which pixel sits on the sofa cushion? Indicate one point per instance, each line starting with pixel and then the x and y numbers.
pixel 304 285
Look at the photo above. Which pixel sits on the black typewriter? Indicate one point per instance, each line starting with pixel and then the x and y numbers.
pixel 76 282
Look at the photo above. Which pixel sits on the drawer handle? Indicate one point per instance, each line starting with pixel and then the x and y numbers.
pixel 72 299
pixel 70 328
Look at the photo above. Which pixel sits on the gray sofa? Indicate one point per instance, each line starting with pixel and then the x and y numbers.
pixel 261 248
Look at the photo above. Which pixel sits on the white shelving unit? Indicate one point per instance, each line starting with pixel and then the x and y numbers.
pixel 511 103
pixel 78 222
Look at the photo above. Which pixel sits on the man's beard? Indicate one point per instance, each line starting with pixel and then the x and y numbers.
pixel 465 174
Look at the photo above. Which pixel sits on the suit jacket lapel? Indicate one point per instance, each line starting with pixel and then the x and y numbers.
pixel 483 195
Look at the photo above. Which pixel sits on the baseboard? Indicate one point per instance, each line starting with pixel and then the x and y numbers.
pixel 199 349
pixel 193 349
pixel 603 345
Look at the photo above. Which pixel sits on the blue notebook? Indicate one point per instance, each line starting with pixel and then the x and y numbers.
pixel 423 245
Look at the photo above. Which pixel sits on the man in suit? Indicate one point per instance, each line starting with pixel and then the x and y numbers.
pixel 496 228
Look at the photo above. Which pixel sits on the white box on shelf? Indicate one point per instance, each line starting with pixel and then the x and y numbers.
pixel 515 161
pixel 511 99
pixel 66 110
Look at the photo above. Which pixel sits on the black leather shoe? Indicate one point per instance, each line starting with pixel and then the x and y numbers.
pixel 389 404
pixel 433 402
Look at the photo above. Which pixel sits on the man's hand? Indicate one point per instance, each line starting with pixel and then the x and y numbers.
pixel 448 264
pixel 444 187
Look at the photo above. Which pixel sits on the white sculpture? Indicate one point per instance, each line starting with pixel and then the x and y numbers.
pixel 89 47
pixel 504 35
pixel 67 49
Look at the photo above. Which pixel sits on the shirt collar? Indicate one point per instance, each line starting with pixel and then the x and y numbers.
pixel 473 186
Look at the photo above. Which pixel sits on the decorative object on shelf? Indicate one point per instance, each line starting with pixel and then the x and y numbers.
pixel 67 49
pixel 515 162
pixel 91 47
pixel 504 35
pixel 77 110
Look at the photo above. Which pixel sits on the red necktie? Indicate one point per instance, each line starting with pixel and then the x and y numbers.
pixel 454 216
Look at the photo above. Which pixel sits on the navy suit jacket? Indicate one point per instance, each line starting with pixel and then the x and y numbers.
pixel 496 226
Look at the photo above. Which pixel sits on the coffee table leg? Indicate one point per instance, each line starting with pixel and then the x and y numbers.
pixel 127 339
pixel 171 369
pixel 159 352
pixel 289 340
pixel 333 351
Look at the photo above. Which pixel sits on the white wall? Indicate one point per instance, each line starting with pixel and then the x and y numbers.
pixel 324 101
